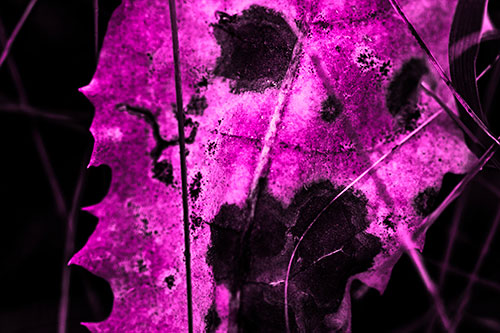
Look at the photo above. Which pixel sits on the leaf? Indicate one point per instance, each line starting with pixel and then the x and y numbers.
pixel 288 105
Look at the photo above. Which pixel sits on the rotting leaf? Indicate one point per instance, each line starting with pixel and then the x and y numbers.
pixel 270 161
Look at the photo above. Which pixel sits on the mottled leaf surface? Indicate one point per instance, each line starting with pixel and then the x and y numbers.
pixel 286 103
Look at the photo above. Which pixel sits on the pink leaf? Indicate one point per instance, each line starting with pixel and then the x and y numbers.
pixel 287 105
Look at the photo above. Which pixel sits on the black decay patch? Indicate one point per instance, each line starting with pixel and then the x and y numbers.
pixel 164 172
pixel 212 320
pixel 401 98
pixel 425 202
pixel 195 186
pixel 250 257
pixel 256 48
pixel 197 105
pixel 170 281
pixel 331 107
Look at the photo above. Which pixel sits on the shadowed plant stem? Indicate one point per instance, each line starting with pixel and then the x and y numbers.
pixel 182 151
pixel 69 244
pixel 444 267
pixel 25 108
pixel 474 275
pixel 96 28
pixel 451 240
pixel 15 32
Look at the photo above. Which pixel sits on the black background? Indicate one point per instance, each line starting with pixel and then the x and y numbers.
pixel 54 55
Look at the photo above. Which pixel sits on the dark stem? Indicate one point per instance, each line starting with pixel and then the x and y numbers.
pixel 182 148
pixel 95 4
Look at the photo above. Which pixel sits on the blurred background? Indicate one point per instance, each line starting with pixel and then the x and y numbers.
pixel 46 147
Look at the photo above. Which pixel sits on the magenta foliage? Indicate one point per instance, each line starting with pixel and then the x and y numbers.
pixel 325 89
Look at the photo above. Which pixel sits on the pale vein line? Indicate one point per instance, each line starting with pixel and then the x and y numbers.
pixel 274 123
pixel 269 139
pixel 328 255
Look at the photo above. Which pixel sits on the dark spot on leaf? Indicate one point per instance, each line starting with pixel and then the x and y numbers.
pixel 367 60
pixel 203 83
pixel 196 221
pixel 401 96
pixel 189 123
pixel 385 68
pixel 197 105
pixel 141 265
pixel 388 222
pixel 212 146
pixel 225 234
pixel 322 24
pixel 403 86
pixel 336 247
pixel 163 171
pixel 425 202
pixel 212 320
pixel 256 48
pixel 170 281
pixel 407 121
pixel 245 255
pixel 195 187
pixel 267 237
pixel 331 108
pixel 145 227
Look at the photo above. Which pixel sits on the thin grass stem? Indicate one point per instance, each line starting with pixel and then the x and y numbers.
pixel 182 151
pixel 15 32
